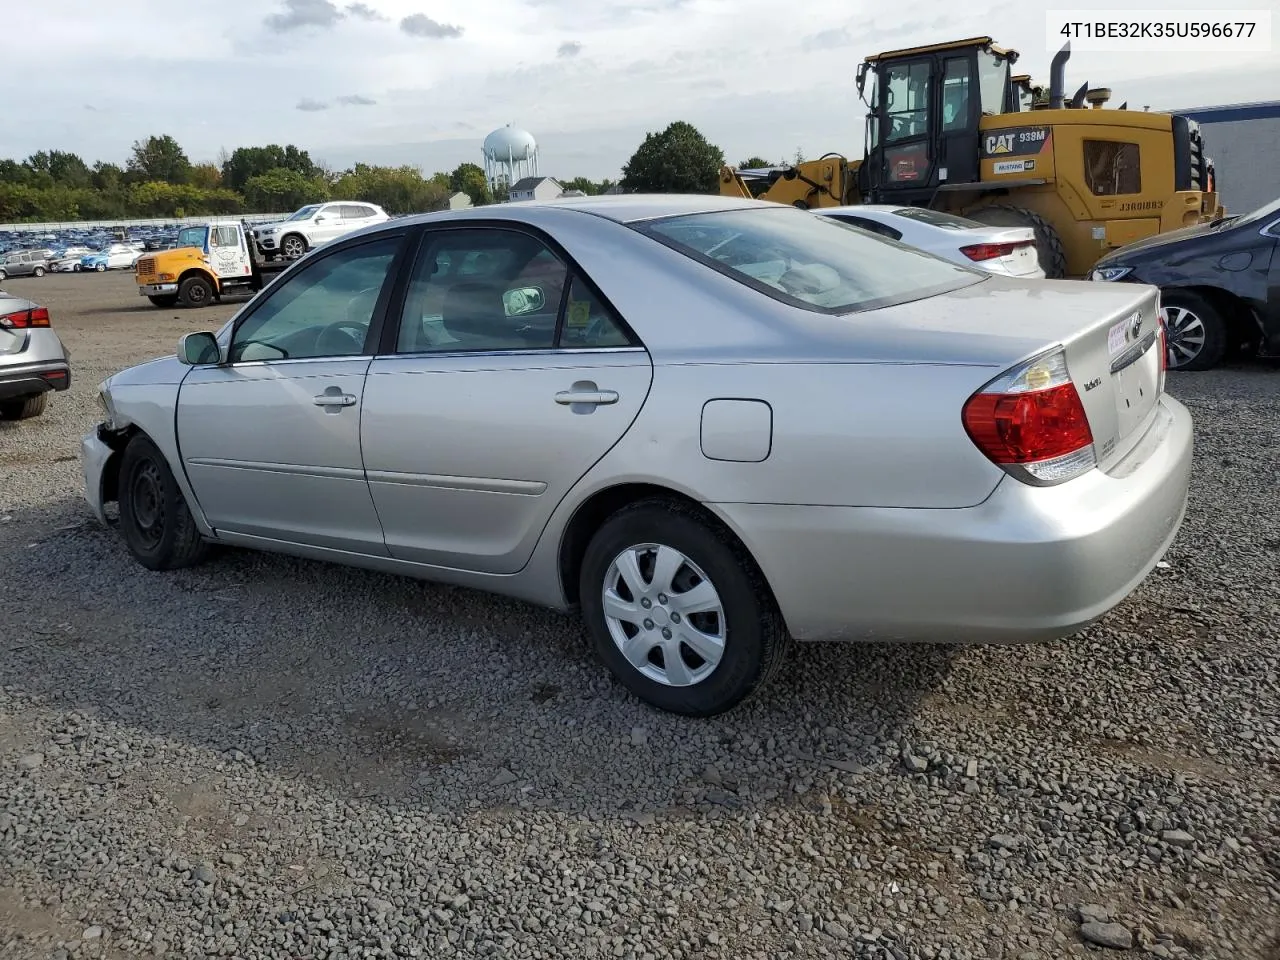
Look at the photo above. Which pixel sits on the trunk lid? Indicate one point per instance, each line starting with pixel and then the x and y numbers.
pixel 1109 333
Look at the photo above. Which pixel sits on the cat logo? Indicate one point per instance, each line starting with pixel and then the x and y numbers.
pixel 999 143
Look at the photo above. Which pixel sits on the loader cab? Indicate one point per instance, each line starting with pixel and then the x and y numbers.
pixel 1024 97
pixel 925 107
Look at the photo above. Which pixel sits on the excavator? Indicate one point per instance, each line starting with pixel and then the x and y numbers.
pixel 950 127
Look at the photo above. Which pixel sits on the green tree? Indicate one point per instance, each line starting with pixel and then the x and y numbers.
pixel 245 163
pixel 589 187
pixel 61 167
pixel 13 172
pixel 107 176
pixel 159 158
pixel 281 189
pixel 470 179
pixel 395 189
pixel 677 160
pixel 206 176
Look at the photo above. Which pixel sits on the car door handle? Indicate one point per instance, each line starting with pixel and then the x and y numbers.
pixel 334 400
pixel 597 397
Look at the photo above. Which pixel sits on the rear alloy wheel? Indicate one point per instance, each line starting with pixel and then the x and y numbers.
pixel 1195 333
pixel 154 517
pixel 679 615
pixel 195 292
pixel 38 271
pixel 1053 258
pixel 100 267
pixel 23 408
pixel 293 246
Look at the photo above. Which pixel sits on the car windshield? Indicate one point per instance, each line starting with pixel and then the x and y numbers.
pixel 809 261
pixel 1264 212
pixel 191 237
pixel 935 218
pixel 305 212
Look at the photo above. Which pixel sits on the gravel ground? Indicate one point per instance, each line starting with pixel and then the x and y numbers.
pixel 266 757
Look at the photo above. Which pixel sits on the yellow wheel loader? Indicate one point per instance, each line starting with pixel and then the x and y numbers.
pixel 949 127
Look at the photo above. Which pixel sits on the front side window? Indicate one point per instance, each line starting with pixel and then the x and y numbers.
pixel 808 261
pixel 225 237
pixel 906 100
pixel 324 310
pixel 1112 167
pixel 306 213
pixel 993 81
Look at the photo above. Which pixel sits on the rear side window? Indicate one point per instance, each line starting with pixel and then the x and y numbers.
pixel 1112 167
pixel 809 261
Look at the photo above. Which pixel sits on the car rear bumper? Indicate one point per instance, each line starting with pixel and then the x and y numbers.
pixel 32 378
pixel 1030 563
pixel 94 454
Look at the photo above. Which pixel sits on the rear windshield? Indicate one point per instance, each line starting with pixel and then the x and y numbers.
pixel 809 261
pixel 937 219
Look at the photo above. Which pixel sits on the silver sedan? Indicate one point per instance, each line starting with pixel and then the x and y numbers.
pixel 711 426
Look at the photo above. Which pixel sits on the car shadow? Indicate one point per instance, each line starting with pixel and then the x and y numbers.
pixel 432 697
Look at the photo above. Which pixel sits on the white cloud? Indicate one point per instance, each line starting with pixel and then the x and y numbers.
pixel 639 64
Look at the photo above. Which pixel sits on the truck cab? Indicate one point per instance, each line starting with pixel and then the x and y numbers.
pixel 209 260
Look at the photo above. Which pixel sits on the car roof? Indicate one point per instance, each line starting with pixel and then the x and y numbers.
pixel 620 208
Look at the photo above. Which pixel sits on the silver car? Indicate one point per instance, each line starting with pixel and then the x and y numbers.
pixel 33 360
pixel 710 425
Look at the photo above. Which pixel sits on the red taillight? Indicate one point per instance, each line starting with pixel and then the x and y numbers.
pixel 989 251
pixel 1032 422
pixel 23 319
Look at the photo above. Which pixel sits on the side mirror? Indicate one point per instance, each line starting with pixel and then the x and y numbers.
pixel 320 218
pixel 523 300
pixel 196 348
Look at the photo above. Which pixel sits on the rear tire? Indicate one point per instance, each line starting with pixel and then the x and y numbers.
pixel 1195 330
pixel 38 272
pixel 24 408
pixel 195 292
pixel 168 300
pixel 157 524
pixel 1053 259
pixel 744 638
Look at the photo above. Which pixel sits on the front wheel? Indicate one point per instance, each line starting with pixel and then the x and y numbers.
pixel 154 517
pixel 680 616
pixel 293 246
pixel 101 267
pixel 1195 333
pixel 38 271
pixel 195 292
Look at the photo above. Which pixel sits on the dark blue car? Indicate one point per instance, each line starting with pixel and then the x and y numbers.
pixel 1219 285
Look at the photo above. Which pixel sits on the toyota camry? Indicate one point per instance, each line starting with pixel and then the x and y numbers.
pixel 708 426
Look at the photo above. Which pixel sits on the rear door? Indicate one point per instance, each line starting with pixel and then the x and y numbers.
pixel 508 377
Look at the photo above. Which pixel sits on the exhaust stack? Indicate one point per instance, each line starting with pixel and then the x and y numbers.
pixel 1058 76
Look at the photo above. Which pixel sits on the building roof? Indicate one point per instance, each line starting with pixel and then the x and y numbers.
pixel 529 183
pixel 1229 112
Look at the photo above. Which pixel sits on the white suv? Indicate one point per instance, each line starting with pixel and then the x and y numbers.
pixel 315 225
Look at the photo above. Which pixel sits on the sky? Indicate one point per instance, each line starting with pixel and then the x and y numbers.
pixel 422 81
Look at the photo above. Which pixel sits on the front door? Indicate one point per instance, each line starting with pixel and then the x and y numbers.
pixel 960 115
pixel 328 224
pixel 229 253
pixel 507 379
pixel 270 439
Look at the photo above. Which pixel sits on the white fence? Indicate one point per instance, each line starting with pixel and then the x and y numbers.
pixel 112 224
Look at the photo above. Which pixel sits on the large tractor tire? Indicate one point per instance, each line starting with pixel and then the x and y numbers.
pixel 1053 259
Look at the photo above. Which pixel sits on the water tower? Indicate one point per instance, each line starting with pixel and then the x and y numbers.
pixel 509 154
